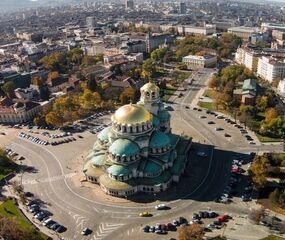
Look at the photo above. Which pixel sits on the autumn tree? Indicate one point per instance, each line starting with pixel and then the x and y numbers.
pixel 8 88
pixel 261 103
pixel 75 55
pixel 53 76
pixel 90 100
pixel 259 171
pixel 55 62
pixel 213 82
pixel 270 114
pixel 54 119
pixel 256 215
pixel 192 232
pixel 127 95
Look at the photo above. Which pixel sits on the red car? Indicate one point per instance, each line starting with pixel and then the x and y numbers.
pixel 223 218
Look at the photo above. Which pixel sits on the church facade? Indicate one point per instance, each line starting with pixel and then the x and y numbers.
pixel 138 152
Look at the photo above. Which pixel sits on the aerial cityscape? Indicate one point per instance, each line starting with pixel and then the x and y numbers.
pixel 142 120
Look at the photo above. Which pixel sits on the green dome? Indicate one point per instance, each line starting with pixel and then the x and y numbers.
pixel 99 160
pixel 123 147
pixel 103 135
pixel 91 170
pixel 118 170
pixel 159 140
pixel 155 121
pixel 164 115
pixel 152 168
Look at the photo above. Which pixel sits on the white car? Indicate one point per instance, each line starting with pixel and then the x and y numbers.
pixel 47 221
pixel 160 206
pixel 201 154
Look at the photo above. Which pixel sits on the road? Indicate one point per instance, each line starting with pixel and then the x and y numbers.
pixel 56 176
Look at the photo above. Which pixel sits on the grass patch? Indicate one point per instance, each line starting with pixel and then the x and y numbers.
pixel 272 237
pixel 181 76
pixel 7 166
pixel 10 210
pixel 168 92
pixel 207 105
pixel 209 93
pixel 267 139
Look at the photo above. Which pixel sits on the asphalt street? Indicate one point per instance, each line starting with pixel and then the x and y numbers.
pixel 55 169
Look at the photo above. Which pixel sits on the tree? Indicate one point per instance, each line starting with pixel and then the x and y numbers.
pixel 55 62
pixel 53 76
pixel 37 81
pixel 274 196
pixel 192 232
pixel 259 171
pixel 256 215
pixel 75 55
pixel 261 103
pixel 91 83
pixel 270 114
pixel 90 100
pixel 127 95
pixel 8 88
pixel 148 69
pixel 54 119
pixel 213 82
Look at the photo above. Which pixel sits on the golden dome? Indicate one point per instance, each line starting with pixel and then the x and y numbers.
pixel 150 87
pixel 132 114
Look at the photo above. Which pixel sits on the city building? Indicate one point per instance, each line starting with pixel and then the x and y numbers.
pixel 129 4
pixel 271 69
pixel 197 62
pixel 138 152
pixel 248 57
pixel 153 41
pixel 18 112
pixel 281 86
pixel 243 32
pixel 189 30
pixel 247 93
pixel 90 22
pixel 182 8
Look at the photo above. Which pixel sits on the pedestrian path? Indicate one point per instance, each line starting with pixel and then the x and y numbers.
pixel 105 229
pixel 47 180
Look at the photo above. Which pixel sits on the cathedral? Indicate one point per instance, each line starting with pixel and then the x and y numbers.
pixel 138 152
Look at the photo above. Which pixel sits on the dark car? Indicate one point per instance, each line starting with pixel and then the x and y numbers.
pixel 60 229
pixel 146 228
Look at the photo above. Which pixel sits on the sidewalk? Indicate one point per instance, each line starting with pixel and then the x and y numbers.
pixel 9 193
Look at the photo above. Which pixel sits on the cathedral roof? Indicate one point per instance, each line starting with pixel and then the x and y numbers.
pixel 118 170
pixel 132 114
pixel 159 140
pixel 103 135
pixel 150 87
pixel 123 147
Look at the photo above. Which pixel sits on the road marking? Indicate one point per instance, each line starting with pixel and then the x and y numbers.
pixel 105 229
pixel 48 180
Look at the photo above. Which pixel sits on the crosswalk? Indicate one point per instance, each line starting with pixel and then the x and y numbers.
pixel 47 180
pixel 105 229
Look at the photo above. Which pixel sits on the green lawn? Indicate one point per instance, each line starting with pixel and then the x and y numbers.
pixel 207 105
pixel 272 237
pixel 10 210
pixel 209 93
pixel 267 139
pixel 6 166
pixel 168 92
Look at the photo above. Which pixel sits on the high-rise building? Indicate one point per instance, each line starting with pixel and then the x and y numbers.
pixel 182 8
pixel 129 4
pixel 90 22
